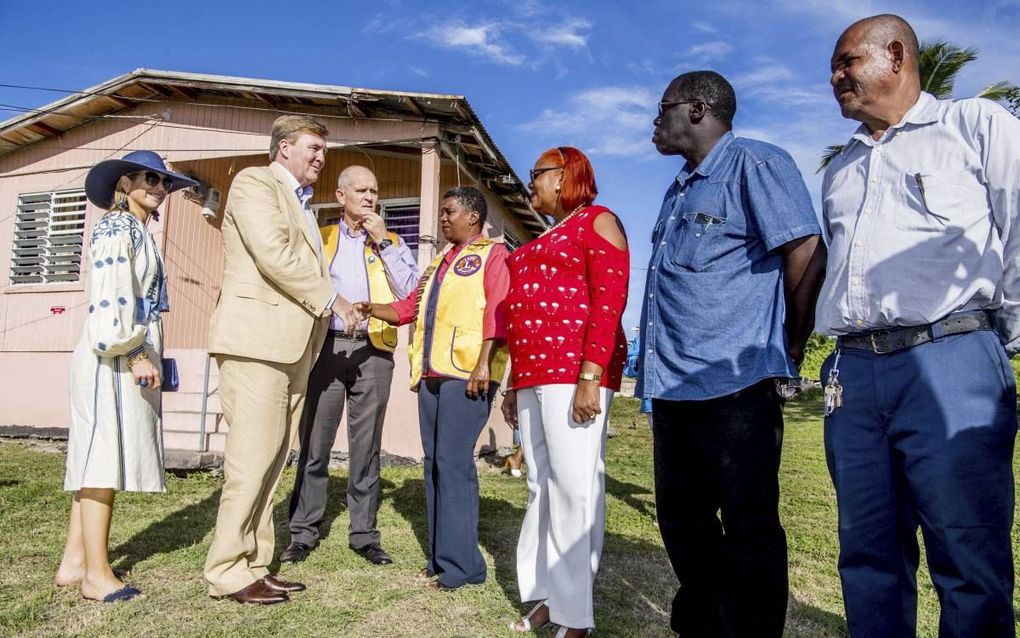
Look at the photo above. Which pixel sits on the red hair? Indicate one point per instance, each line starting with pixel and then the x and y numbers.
pixel 577 186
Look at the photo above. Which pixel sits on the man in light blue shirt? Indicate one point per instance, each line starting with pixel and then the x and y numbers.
pixel 922 292
pixel 354 368
pixel 735 268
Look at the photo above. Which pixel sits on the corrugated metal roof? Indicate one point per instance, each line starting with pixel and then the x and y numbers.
pixel 474 146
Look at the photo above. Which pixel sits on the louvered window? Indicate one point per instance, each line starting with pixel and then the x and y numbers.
pixel 402 217
pixel 48 235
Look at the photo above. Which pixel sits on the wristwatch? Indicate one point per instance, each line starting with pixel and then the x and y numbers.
pixel 384 244
pixel 589 376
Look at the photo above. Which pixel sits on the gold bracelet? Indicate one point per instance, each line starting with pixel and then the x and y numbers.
pixel 589 376
pixel 138 357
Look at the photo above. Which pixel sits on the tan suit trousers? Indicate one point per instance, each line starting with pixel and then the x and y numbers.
pixel 262 402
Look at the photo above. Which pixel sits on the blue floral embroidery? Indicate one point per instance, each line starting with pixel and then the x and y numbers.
pixel 99 263
pixel 122 301
pixel 121 259
pixel 91 308
pixel 102 346
pixel 115 322
pixel 109 260
pixel 113 224
pixel 104 303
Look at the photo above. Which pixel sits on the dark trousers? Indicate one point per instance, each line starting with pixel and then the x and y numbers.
pixel 925 439
pixel 356 373
pixel 450 424
pixel 721 457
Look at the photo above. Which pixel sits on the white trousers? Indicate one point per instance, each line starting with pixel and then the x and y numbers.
pixel 561 538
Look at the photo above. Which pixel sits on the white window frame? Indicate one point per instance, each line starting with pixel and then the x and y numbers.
pixel 384 206
pixel 49 238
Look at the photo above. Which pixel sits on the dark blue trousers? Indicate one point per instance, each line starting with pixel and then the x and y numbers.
pixel 450 423
pixel 925 439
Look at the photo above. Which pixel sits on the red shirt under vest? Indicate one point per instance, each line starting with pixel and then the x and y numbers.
pixel 568 290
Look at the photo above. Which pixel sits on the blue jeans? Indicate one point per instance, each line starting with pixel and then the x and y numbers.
pixel 450 423
pixel 925 439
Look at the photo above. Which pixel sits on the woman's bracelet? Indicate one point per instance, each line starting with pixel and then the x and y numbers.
pixel 132 360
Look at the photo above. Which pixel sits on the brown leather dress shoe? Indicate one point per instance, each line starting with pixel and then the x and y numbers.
pixel 258 593
pixel 278 584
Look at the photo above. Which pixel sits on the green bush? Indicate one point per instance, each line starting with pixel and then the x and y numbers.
pixel 815 352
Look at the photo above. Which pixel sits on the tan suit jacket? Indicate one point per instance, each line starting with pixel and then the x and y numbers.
pixel 275 280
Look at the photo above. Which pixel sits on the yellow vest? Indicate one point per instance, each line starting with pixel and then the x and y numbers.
pixel 456 338
pixel 382 335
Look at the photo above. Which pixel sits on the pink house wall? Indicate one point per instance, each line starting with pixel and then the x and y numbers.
pixel 36 337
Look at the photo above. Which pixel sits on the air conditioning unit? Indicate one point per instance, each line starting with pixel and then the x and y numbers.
pixel 211 203
pixel 205 196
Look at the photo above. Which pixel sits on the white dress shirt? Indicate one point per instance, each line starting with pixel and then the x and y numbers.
pixel 920 223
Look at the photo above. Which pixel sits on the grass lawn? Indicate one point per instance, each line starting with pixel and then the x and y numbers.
pixel 163 541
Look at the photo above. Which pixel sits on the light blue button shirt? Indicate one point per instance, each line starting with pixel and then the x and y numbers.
pixel 920 223
pixel 350 276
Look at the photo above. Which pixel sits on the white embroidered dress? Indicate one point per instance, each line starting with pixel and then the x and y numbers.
pixel 116 438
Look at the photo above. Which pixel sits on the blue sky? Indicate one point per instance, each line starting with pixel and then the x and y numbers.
pixel 539 73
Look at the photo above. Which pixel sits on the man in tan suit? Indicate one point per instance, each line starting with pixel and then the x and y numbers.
pixel 269 324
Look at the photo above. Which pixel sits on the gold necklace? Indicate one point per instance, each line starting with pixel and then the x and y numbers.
pixel 561 222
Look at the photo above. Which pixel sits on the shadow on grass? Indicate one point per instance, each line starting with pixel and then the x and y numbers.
pixel 182 528
pixel 635 578
pixel 10 483
pixel 804 619
pixel 498 525
pixel 627 492
pixel 336 504
pixel 409 502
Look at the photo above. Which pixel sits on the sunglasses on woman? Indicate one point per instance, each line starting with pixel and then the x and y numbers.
pixel 153 179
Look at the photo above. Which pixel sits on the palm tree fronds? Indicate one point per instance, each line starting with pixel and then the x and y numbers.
pixel 831 152
pixel 998 91
pixel 940 62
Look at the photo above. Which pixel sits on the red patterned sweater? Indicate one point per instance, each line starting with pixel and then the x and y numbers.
pixel 568 290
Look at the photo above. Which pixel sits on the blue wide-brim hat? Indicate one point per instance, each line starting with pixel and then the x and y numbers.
pixel 101 181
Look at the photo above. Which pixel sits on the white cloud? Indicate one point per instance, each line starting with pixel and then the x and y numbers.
pixel 572 34
pixel 612 120
pixel 710 50
pixel 482 40
pixel 704 27
pixel 771 81
pixel 418 71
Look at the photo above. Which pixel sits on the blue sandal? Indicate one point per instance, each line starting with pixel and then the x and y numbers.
pixel 124 593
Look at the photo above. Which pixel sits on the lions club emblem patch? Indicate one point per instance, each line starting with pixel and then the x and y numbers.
pixel 467 265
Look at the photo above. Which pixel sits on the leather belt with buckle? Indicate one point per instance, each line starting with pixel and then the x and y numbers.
pixel 893 339
pixel 353 336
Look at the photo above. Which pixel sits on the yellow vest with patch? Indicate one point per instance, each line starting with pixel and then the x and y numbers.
pixel 382 335
pixel 456 338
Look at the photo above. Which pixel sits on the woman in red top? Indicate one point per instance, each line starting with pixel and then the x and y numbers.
pixel 568 290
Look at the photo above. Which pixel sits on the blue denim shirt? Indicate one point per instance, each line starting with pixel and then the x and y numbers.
pixel 713 312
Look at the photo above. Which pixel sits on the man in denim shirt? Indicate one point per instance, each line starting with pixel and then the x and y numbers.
pixel 735 269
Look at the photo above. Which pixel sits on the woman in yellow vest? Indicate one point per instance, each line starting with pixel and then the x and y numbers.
pixel 458 357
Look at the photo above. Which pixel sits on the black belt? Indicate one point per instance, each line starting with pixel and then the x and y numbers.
pixel 353 336
pixel 893 339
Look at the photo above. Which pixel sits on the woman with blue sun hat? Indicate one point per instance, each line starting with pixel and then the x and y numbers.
pixel 115 440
